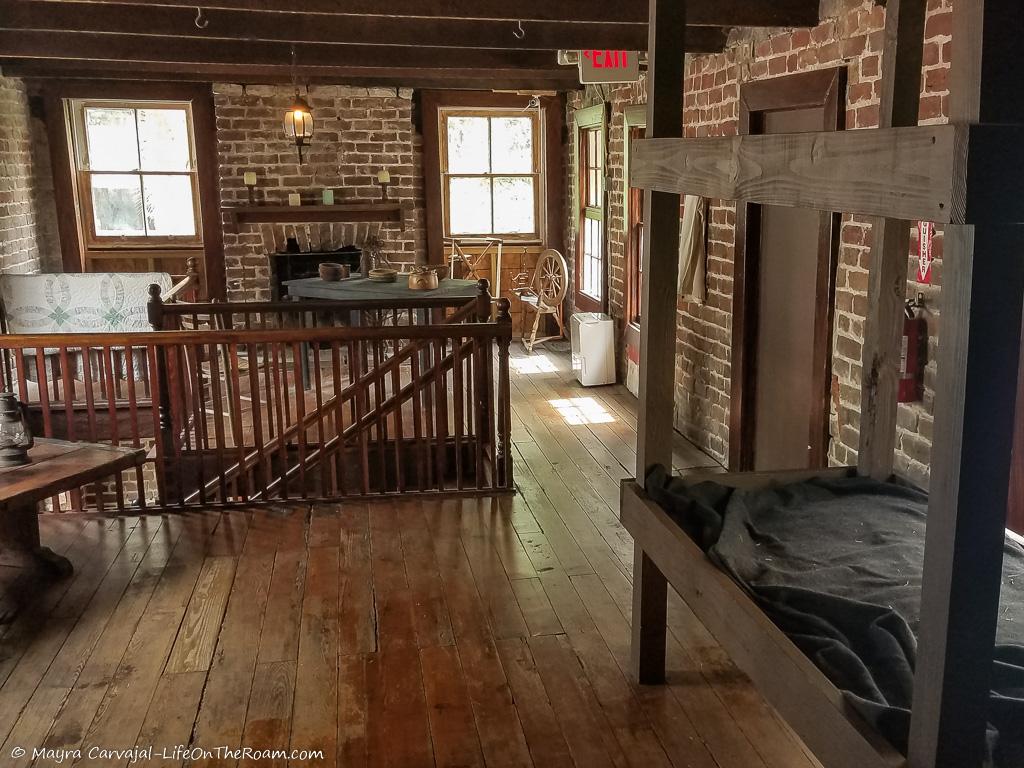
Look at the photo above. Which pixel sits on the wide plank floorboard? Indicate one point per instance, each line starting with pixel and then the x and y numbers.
pixel 452 632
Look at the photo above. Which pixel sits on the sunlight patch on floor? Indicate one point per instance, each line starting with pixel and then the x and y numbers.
pixel 581 410
pixel 532 364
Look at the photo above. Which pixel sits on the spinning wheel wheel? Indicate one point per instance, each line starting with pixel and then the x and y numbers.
pixel 545 294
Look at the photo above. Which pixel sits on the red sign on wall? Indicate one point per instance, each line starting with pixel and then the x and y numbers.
pixel 925 236
pixel 609 66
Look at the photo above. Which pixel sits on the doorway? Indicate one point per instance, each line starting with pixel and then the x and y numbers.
pixel 784 283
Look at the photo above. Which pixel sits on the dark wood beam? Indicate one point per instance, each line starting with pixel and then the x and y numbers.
pixel 739 13
pixel 167 21
pixel 890 243
pixel 665 80
pixel 263 73
pixel 137 48
pixel 367 77
pixel 975 413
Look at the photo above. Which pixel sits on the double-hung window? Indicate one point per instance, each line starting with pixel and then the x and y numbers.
pixel 491 173
pixel 590 195
pixel 136 172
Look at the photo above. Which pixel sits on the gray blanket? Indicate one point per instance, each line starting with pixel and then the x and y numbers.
pixel 836 564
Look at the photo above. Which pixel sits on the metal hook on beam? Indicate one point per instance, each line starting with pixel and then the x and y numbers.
pixel 201 21
pixel 519 33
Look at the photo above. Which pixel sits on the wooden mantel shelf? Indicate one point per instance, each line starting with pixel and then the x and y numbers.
pixel 385 210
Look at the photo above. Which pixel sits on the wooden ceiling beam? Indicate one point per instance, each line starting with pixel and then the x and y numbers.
pixel 166 21
pixel 740 13
pixel 483 79
pixel 139 48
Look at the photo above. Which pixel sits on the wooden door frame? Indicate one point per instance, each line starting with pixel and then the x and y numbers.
pixel 595 116
pixel 824 89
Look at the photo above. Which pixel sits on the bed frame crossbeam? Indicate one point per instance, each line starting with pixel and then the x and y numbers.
pixel 940 173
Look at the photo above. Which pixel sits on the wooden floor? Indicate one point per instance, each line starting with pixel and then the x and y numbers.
pixel 456 633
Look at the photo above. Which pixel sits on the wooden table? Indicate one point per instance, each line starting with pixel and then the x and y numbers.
pixel 56 466
pixel 358 289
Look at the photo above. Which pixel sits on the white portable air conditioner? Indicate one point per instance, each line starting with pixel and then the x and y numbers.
pixel 593 348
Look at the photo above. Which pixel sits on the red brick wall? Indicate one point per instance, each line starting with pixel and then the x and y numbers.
pixel 28 231
pixel 358 131
pixel 850 36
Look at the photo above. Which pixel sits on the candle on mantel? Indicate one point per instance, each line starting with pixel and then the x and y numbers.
pixel 328 197
pixel 294 199
pixel 249 177
pixel 384 179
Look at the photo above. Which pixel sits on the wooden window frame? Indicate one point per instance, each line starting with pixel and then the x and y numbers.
pixel 634 117
pixel 551 195
pixel 74 255
pixel 536 175
pixel 585 121
pixel 83 172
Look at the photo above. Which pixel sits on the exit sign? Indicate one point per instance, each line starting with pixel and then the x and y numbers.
pixel 609 67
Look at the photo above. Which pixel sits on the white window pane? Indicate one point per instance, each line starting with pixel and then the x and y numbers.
pixel 470 203
pixel 163 140
pixel 468 145
pixel 111 141
pixel 117 205
pixel 592 257
pixel 512 145
pixel 169 210
pixel 513 206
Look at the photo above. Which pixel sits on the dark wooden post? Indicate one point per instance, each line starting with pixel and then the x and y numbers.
pixel 890 248
pixel 155 314
pixel 480 374
pixel 503 435
pixel 155 308
pixel 975 403
pixel 666 52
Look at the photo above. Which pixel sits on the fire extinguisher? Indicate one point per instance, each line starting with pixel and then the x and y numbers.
pixel 913 353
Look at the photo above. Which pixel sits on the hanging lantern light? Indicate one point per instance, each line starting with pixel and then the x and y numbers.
pixel 298 123
pixel 298 120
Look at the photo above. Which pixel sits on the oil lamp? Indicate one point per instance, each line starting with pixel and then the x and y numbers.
pixel 15 435
pixel 298 123
pixel 298 120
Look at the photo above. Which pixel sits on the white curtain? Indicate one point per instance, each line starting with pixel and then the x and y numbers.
pixel 692 227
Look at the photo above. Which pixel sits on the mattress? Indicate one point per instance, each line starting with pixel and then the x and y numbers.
pixel 836 563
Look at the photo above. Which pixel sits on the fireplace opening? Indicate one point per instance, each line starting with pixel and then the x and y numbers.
pixel 296 264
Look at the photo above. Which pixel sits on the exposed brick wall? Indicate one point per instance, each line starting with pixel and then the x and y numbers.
pixel 358 132
pixel 850 36
pixel 28 232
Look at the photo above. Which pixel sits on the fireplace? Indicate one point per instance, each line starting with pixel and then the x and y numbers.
pixel 294 265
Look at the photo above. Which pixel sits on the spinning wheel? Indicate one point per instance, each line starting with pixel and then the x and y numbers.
pixel 545 294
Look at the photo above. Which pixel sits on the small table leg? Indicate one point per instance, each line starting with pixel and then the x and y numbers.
pixel 19 539
pixel 650 604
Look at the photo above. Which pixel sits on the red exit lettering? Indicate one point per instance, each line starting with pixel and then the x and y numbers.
pixel 608 59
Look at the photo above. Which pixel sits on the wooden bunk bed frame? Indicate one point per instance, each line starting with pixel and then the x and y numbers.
pixel 962 175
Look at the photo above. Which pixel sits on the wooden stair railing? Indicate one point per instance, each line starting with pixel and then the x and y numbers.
pixel 480 307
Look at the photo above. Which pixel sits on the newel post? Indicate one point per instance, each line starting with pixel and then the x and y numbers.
pixel 155 308
pixel 503 438
pixel 483 300
pixel 165 440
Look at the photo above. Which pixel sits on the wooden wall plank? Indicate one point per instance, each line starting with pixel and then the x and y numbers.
pixel 890 245
pixel 667 53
